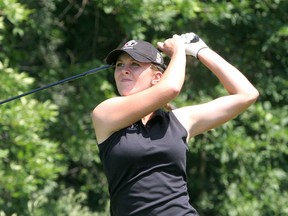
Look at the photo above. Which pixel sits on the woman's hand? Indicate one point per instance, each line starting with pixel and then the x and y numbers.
pixel 193 44
pixel 172 45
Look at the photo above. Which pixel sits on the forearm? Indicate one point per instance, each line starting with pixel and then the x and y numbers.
pixel 174 75
pixel 230 77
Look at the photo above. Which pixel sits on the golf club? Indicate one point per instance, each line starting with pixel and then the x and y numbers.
pixel 56 83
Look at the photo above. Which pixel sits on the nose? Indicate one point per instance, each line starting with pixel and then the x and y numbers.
pixel 124 69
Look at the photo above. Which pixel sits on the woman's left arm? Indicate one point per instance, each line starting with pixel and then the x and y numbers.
pixel 200 118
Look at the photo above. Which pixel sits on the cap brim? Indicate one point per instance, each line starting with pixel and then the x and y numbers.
pixel 114 54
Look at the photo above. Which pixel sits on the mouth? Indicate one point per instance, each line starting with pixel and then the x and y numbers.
pixel 125 80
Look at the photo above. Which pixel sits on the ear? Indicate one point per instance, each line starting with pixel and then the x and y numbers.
pixel 156 78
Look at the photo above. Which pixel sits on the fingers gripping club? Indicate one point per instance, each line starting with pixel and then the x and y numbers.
pixel 193 44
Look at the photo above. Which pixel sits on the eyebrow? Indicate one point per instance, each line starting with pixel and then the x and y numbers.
pixel 121 58
pixel 129 60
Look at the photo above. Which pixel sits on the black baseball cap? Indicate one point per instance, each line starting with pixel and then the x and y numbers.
pixel 139 50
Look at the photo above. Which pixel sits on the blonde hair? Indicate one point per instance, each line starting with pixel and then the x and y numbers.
pixel 169 107
pixel 157 68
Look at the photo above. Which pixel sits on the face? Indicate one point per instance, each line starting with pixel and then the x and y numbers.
pixel 132 76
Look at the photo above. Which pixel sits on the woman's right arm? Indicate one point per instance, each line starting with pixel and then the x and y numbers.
pixel 119 112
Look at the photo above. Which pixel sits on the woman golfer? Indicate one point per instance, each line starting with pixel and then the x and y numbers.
pixel 142 146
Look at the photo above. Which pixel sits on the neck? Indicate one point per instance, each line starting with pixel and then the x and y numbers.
pixel 146 118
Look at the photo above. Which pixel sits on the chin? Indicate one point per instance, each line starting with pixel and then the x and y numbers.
pixel 123 93
pixel 129 91
pixel 126 93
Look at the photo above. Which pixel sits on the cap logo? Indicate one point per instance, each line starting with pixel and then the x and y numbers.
pixel 130 44
pixel 158 58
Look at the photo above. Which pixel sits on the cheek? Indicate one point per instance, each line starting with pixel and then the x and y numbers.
pixel 116 77
pixel 115 74
pixel 145 80
pixel 146 75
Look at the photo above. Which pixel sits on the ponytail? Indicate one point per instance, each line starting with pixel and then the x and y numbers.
pixel 169 107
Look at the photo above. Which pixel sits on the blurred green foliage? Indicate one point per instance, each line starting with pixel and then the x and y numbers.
pixel 49 163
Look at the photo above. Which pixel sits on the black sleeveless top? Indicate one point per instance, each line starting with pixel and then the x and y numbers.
pixel 146 168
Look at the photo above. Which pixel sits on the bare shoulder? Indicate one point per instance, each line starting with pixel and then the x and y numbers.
pixel 116 113
pixel 102 117
pixel 203 117
pixel 199 118
pixel 185 117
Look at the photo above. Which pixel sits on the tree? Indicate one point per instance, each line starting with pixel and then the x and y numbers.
pixel 236 169
pixel 29 162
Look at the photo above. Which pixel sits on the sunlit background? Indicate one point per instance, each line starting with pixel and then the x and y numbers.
pixel 49 162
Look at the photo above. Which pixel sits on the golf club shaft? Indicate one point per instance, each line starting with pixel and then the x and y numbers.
pixel 56 83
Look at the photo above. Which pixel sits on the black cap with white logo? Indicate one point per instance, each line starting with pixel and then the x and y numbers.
pixel 139 50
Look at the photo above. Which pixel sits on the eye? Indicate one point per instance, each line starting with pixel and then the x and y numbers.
pixel 119 64
pixel 135 65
